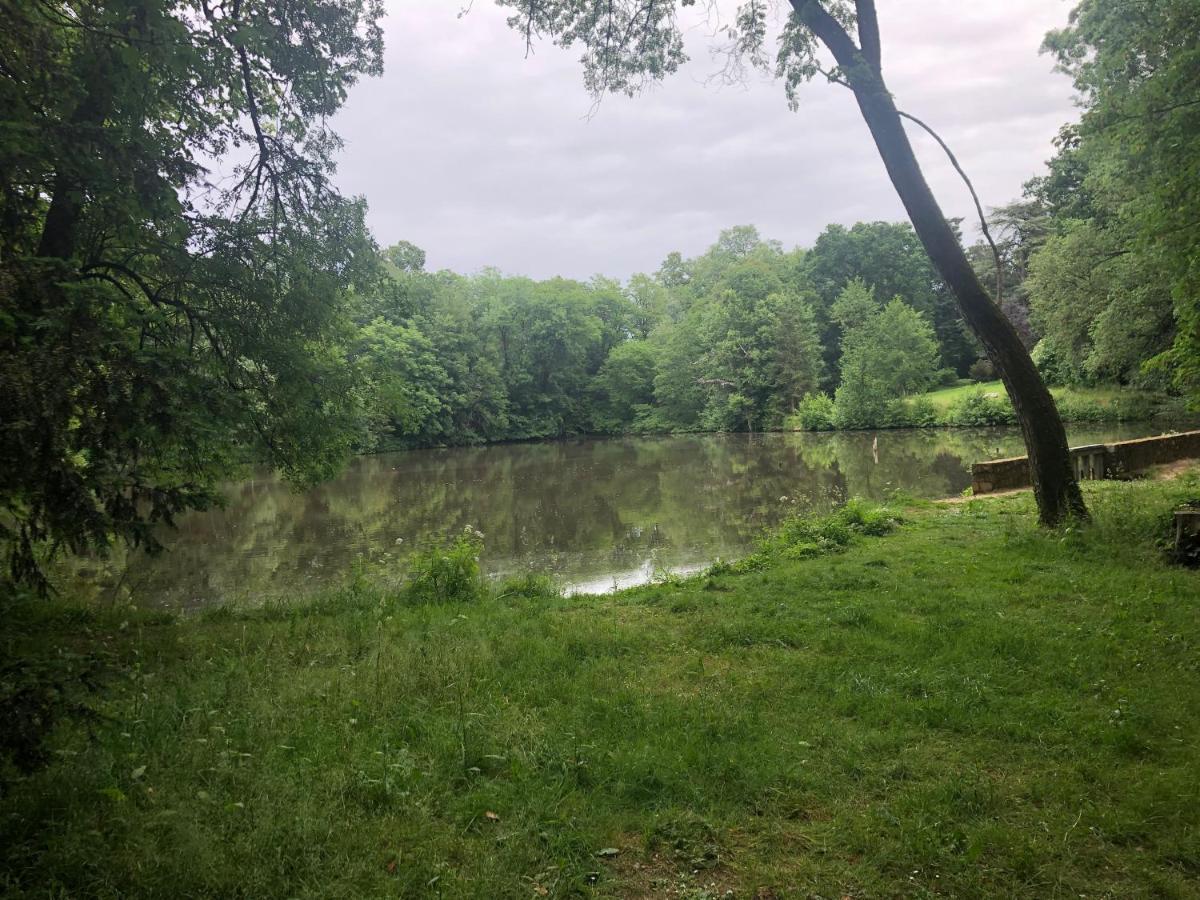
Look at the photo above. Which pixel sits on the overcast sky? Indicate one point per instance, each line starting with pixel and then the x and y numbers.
pixel 485 158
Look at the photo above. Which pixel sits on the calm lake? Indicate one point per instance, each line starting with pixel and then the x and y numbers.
pixel 594 513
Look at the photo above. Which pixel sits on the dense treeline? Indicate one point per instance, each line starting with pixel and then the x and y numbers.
pixel 734 339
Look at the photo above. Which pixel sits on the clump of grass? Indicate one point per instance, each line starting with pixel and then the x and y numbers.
pixel 802 537
pixel 1116 516
pixel 529 586
pixel 864 517
pixel 447 571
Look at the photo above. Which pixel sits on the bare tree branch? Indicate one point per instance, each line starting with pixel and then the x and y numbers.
pixel 833 78
pixel 252 104
pixel 529 28
pixel 831 33
pixel 974 196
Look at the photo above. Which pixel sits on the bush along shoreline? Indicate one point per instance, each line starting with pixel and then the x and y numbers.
pixel 974 406
pixel 978 406
pixel 942 698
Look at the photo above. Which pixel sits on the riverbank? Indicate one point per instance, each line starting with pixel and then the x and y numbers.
pixel 956 703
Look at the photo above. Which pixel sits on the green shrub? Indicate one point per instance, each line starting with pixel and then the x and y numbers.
pixel 447 572
pixel 924 412
pixel 857 407
pixel 856 410
pixel 982 370
pixel 916 412
pixel 1055 365
pixel 1075 409
pixel 945 378
pixel 865 517
pixel 815 413
pixel 978 409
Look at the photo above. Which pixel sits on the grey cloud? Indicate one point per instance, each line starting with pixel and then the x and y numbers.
pixel 486 158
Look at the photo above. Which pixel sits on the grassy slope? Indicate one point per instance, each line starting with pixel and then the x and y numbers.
pixel 967 706
pixel 944 398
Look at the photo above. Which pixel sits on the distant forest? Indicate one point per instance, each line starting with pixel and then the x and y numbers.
pixel 733 339
pixel 746 336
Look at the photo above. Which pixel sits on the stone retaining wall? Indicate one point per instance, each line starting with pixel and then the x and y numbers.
pixel 1093 461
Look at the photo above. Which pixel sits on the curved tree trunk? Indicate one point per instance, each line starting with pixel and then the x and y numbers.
pixel 1057 492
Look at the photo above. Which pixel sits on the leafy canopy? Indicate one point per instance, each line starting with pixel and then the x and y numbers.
pixel 1124 190
pixel 174 261
pixel 629 44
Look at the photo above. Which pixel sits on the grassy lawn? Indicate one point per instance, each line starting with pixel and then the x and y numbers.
pixel 966 706
pixel 1104 396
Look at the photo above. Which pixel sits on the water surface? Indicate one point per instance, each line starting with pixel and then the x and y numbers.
pixel 593 513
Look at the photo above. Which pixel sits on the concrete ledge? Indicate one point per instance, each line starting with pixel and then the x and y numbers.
pixel 1094 461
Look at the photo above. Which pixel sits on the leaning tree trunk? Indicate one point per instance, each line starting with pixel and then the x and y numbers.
pixel 1054 484
pixel 1057 492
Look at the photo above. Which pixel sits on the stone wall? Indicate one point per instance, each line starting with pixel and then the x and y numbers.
pixel 1136 456
pixel 1000 475
pixel 1094 461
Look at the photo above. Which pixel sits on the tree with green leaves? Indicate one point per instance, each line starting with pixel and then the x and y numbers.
pixel 404 377
pixel 761 353
pixel 888 353
pixel 649 305
pixel 1018 231
pixel 854 306
pixel 1100 310
pixel 624 388
pixel 162 320
pixel 739 347
pixel 1124 190
pixel 889 257
pixel 680 394
pixel 628 44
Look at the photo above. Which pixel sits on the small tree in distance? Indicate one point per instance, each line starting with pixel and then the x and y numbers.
pixel 631 43
pixel 888 353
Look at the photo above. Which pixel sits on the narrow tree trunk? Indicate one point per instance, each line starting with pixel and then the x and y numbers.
pixel 1057 492
pixel 59 229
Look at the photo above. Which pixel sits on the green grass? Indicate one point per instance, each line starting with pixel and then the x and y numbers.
pixel 962 706
pixel 944 398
